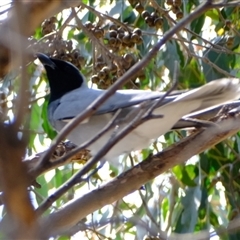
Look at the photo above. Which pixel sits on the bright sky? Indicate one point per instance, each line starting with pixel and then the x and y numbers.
pixel 3 6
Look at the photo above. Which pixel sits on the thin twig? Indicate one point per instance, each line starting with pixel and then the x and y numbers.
pixel 105 16
pixel 207 61
pixel 66 158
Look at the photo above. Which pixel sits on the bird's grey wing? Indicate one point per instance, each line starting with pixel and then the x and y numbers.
pixel 211 94
pixel 130 98
pixel 214 93
pixel 77 101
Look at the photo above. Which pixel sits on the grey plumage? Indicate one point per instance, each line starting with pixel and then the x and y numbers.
pixel 173 108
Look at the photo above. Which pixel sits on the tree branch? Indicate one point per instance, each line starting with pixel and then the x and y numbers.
pixel 134 178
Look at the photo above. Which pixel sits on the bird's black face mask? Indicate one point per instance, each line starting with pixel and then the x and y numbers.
pixel 63 76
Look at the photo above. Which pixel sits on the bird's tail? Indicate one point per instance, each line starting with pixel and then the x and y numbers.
pixel 214 93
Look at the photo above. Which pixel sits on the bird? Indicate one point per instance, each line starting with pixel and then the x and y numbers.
pixel 70 96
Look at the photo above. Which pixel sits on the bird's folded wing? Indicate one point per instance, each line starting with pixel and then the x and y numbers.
pixel 214 93
pixel 76 102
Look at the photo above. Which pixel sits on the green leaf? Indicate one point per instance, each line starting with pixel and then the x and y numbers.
pixel 181 56
pixel 191 75
pixel 197 24
pixel 51 133
pixel 213 14
pixel 170 55
pixel 185 174
pixel 165 207
pixel 213 218
pixel 191 203
pixel 221 60
pixel 43 191
pixel 35 123
pixel 64 238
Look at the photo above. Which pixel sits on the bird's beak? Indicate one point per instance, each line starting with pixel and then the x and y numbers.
pixel 45 60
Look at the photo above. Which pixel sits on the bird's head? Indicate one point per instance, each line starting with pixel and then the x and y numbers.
pixel 63 76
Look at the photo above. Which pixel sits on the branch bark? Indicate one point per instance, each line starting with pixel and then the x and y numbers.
pixel 134 178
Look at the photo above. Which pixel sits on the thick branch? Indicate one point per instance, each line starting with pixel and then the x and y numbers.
pixel 137 176
pixel 14 180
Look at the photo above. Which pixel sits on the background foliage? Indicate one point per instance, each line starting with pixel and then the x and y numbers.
pixel 104 39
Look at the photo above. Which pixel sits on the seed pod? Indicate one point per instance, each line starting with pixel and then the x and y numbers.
pixel 108 81
pixel 169 2
pixel 75 53
pixel 120 35
pixel 149 21
pixel 177 3
pixel 113 33
pixel 179 15
pixel 99 66
pixel 126 38
pixel 175 9
pixel 98 33
pixel 102 85
pixel 158 23
pixel 128 57
pixel 121 30
pixel 126 65
pixel 118 42
pixel 120 72
pixel 145 14
pixel 138 31
pixel 131 45
pixel 46 30
pixel 88 25
pixel 106 69
pixel 230 41
pixel 114 79
pixel 53 19
pixel 141 75
pixel 95 79
pixel 113 68
pixel 113 27
pixel 154 15
pixel 3 96
pixel 139 7
pixel 228 24
pixel 101 74
pixel 112 42
pixel 140 41
pixel 134 38
pixel 229 45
